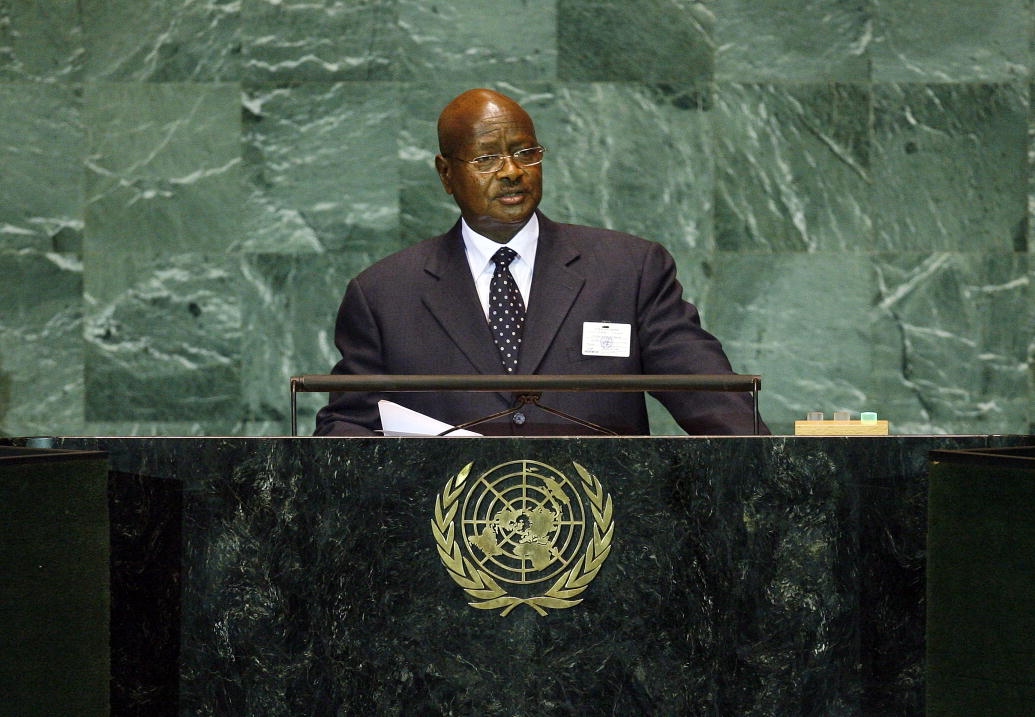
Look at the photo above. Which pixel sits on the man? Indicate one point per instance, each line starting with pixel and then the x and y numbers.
pixel 506 290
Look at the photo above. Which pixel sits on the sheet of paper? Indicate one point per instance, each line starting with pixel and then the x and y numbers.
pixel 398 420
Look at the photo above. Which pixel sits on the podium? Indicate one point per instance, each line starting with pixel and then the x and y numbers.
pixel 54 649
pixel 981 619
pixel 750 575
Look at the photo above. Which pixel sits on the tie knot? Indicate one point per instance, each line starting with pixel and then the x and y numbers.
pixel 504 256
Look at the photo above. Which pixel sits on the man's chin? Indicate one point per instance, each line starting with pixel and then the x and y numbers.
pixel 500 228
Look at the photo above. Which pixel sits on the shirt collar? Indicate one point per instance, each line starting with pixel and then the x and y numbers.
pixel 480 248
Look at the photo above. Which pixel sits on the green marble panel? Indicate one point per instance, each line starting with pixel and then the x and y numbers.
pixel 399 39
pixel 950 167
pixel 1031 352
pixel 793 40
pixel 635 158
pixel 168 348
pixel 650 40
pixel 425 209
pixel 163 178
pixel 289 305
pixel 953 335
pixel 792 168
pixel 41 343
pixel 473 40
pixel 41 158
pixel 1022 241
pixel 802 321
pixel 322 165
pixel 40 41
pixel 328 40
pixel 161 40
pixel 204 426
pixel 958 41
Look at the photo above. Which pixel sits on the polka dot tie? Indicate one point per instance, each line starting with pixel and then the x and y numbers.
pixel 506 309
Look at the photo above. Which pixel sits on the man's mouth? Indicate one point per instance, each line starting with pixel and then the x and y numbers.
pixel 514 197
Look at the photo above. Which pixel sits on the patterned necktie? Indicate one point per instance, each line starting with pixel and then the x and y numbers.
pixel 506 309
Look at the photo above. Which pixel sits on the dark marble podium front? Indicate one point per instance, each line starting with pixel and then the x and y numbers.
pixel 747 576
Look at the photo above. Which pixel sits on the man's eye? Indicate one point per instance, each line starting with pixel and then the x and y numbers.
pixel 486 159
pixel 529 156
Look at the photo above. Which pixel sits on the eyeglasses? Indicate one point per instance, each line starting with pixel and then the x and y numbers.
pixel 489 163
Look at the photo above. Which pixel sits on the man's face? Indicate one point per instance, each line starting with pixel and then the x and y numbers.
pixel 496 204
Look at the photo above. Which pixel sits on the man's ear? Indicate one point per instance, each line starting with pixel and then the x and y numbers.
pixel 442 167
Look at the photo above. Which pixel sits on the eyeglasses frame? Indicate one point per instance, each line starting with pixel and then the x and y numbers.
pixel 503 159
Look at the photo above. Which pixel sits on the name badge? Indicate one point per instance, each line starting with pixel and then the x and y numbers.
pixel 603 339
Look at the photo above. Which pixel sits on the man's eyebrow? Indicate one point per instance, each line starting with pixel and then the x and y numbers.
pixel 487 146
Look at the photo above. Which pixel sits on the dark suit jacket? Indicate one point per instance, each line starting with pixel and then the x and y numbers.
pixel 417 312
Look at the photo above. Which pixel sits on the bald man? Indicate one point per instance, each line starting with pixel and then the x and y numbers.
pixel 506 290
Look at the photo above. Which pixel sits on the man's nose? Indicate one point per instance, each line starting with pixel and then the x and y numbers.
pixel 511 169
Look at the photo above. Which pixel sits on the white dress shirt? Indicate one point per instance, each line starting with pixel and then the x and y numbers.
pixel 480 249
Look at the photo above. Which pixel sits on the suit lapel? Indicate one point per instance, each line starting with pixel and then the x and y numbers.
pixel 453 301
pixel 554 288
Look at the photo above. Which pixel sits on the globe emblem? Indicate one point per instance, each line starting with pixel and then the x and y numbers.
pixel 523 522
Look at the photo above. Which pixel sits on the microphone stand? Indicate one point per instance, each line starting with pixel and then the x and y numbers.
pixel 530 399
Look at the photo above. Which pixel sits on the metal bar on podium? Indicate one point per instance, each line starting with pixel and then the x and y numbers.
pixel 329 383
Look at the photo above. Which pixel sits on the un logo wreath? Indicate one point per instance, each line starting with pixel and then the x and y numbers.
pixel 486 592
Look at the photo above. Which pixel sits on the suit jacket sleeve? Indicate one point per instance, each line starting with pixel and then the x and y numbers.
pixel 673 342
pixel 358 338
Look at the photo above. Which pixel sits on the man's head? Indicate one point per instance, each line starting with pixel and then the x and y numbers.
pixel 482 122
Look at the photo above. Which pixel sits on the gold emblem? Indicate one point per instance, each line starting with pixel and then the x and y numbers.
pixel 522 524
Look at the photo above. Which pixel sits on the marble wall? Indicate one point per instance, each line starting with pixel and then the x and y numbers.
pixel 186 186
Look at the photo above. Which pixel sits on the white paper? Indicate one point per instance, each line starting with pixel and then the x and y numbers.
pixel 398 420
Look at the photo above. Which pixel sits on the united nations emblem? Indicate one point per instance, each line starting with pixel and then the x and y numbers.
pixel 525 525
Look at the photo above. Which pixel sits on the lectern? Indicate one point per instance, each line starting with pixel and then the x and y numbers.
pixel 981 583
pixel 54 585
pixel 518 576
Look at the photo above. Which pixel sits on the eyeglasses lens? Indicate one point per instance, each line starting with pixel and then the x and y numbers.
pixel 530 156
pixel 494 162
